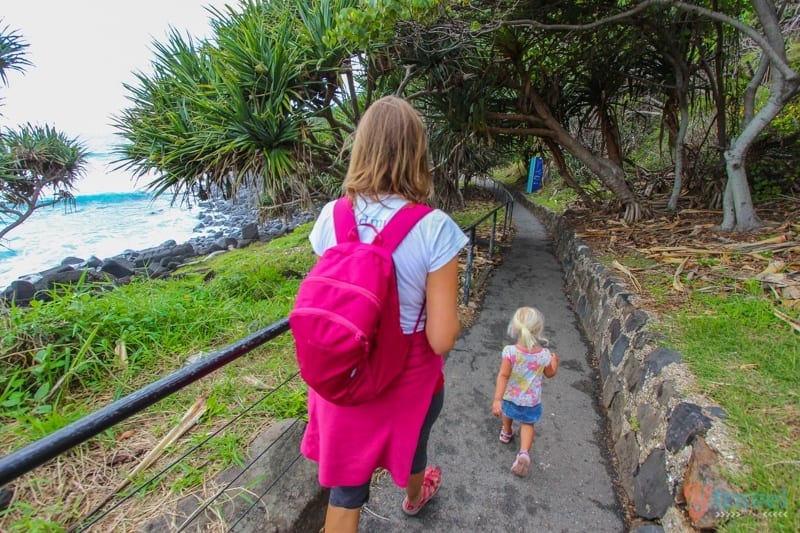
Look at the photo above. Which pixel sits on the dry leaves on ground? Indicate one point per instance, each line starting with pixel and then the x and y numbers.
pixel 689 249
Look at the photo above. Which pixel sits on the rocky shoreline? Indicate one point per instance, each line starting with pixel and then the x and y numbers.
pixel 228 224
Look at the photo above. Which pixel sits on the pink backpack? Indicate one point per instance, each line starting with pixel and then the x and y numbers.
pixel 346 317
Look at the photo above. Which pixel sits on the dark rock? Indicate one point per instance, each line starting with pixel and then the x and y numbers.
pixel 70 260
pixel 686 421
pixel 636 321
pixel 658 359
pixel 651 491
pixel 250 232
pixel 631 373
pixel 226 243
pixel 20 292
pixel 613 331
pixel 6 495
pixel 665 392
pixel 611 386
pixel 118 267
pixel 649 419
pixel 93 262
pixel 619 350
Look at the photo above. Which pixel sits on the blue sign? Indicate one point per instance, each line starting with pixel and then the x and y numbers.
pixel 535 174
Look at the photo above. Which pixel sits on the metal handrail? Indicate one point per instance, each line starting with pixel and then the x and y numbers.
pixel 38 452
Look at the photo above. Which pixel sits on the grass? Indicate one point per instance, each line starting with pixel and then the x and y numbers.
pixel 67 357
pixel 745 359
pixel 749 362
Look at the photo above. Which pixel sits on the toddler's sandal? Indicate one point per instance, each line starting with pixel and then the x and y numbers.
pixel 506 437
pixel 430 486
pixel 521 464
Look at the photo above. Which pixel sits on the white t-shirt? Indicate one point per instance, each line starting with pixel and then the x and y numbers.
pixel 430 245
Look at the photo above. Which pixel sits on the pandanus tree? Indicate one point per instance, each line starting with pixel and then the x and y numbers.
pixel 250 107
pixel 39 165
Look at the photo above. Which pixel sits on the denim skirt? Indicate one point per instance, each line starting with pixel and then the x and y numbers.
pixel 518 413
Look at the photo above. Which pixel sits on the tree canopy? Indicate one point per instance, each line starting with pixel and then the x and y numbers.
pixel 270 100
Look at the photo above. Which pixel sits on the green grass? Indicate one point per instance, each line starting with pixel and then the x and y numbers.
pixel 60 363
pixel 749 361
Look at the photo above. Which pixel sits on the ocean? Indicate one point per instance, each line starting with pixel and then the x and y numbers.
pixel 112 214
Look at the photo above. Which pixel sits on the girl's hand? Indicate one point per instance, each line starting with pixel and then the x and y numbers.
pixel 496 408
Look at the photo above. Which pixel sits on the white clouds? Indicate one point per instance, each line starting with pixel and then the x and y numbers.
pixel 82 51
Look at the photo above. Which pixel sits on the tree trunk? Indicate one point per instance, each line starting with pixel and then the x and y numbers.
pixel 682 88
pixel 738 210
pixel 608 172
pixel 566 175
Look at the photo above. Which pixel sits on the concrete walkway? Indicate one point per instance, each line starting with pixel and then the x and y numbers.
pixel 570 486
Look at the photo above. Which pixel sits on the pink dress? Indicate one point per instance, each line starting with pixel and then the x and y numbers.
pixel 350 443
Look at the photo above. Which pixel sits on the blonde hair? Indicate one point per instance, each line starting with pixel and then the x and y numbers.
pixel 390 153
pixel 527 327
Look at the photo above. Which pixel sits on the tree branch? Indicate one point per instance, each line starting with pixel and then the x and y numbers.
pixel 774 55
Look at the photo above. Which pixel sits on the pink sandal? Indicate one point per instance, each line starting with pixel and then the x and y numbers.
pixel 506 437
pixel 430 486
pixel 521 464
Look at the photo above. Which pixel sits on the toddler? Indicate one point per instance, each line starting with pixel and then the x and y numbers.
pixel 517 395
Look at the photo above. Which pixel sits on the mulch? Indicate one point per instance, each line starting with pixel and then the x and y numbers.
pixel 687 247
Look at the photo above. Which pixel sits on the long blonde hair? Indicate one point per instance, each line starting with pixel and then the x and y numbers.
pixel 390 153
pixel 527 327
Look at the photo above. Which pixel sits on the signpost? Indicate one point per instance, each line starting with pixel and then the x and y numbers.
pixel 535 174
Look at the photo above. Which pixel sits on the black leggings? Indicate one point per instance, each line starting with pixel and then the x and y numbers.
pixel 354 497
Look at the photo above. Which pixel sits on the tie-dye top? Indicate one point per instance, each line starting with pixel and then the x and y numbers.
pixel 527 368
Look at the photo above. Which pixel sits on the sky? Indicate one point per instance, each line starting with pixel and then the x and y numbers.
pixel 82 51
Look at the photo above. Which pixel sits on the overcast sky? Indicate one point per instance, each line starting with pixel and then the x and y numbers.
pixel 81 53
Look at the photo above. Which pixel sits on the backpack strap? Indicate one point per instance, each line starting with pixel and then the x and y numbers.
pixel 344 220
pixel 390 237
pixel 401 223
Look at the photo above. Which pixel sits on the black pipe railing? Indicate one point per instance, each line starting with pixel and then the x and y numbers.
pixel 51 446
pixel 56 443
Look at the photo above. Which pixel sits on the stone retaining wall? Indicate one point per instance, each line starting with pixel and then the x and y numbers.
pixel 670 443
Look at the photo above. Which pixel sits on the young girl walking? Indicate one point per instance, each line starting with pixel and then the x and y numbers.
pixel 517 395
pixel 388 170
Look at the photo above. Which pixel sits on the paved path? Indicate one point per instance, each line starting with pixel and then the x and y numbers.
pixel 570 485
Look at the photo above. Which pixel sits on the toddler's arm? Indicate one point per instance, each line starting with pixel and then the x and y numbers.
pixel 551 369
pixel 500 387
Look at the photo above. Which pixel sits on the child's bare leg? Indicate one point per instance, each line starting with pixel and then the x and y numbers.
pixel 526 434
pixel 506 424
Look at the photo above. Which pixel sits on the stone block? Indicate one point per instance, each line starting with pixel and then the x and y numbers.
pixel 685 422
pixel 619 350
pixel 657 360
pixel 702 482
pixel 652 497
pixel 650 420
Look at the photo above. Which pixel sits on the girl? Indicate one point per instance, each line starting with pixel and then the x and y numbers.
pixel 389 169
pixel 517 394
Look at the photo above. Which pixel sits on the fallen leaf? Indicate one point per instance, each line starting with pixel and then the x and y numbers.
pixel 125 435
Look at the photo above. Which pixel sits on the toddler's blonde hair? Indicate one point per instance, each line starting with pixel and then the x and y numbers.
pixel 527 327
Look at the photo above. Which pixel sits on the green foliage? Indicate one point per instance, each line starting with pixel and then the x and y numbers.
pixel 69 342
pixel 12 53
pixel 367 22
pixel 36 160
pixel 772 160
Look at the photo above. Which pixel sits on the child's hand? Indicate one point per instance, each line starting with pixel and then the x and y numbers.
pixel 496 408
pixel 551 369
